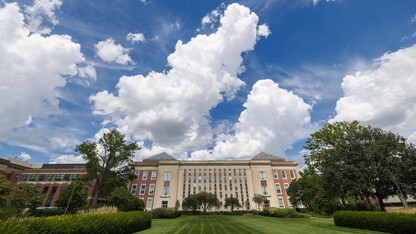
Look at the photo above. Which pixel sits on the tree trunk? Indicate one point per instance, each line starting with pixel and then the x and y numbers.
pixel 343 201
pixel 371 203
pixel 96 194
pixel 381 204
pixel 402 198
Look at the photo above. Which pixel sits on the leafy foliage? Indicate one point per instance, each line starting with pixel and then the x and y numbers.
pixel 110 162
pixel 122 222
pixel 247 204
pixel 5 189
pixel 190 203
pixel 259 199
pixel 177 205
pixel 206 200
pixel 304 189
pixel 377 221
pixel 232 202
pixel 75 193
pixel 165 212
pixel 26 196
pixel 124 200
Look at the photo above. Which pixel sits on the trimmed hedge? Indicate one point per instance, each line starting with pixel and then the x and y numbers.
pixel 122 222
pixel 163 212
pixel 377 221
pixel 45 212
pixel 281 213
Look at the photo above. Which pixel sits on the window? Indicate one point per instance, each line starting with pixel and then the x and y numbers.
pixel 76 177
pixel 16 178
pixel 34 177
pixel 281 203
pixel 264 190
pixel 142 189
pixel 149 203
pixel 167 176
pixel 50 177
pixel 137 173
pixel 283 174
pixel 67 177
pixel 144 175
pixel 278 189
pixel 151 189
pixel 58 177
pixel 153 177
pixel 164 203
pixel 286 187
pixel 45 190
pixel 262 175
pixel 133 189
pixel 51 195
pixel 275 175
pixel 289 203
pixel 292 174
pixel 165 190
pixel 42 177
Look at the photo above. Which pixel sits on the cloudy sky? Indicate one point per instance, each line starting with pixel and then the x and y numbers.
pixel 179 76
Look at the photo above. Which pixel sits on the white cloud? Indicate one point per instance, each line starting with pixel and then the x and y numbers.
pixel 273 120
pixel 67 159
pixel 32 66
pixel 135 37
pixel 172 108
pixel 263 30
pixel 40 10
pixel 315 2
pixel 24 157
pixel 87 71
pixel 384 95
pixel 110 52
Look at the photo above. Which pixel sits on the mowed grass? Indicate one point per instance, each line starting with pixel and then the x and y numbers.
pixel 246 224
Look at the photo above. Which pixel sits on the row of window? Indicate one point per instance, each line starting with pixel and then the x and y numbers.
pixel 145 175
pixel 143 189
pixel 276 175
pixel 48 177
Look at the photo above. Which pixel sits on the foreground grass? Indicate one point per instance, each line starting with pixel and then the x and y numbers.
pixel 246 224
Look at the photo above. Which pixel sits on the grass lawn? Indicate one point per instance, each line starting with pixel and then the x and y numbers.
pixel 246 224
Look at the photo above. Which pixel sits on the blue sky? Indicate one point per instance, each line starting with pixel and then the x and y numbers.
pixel 245 77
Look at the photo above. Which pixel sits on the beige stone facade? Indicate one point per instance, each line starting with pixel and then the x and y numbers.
pixel 175 180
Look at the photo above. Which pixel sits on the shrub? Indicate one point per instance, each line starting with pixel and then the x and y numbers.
pixel 124 200
pixel 281 213
pixel 99 210
pixel 164 212
pixel 123 222
pixel 377 221
pixel 45 212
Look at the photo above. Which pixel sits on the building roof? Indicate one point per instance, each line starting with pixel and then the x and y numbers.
pixel 161 156
pixel 22 163
pixel 64 166
pixel 266 156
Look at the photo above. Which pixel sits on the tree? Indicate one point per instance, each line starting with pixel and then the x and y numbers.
pixel 217 204
pixel 26 196
pixel 177 205
pixel 232 202
pixel 247 205
pixel 259 199
pixel 5 189
pixel 190 203
pixel 109 162
pixel 304 189
pixel 73 196
pixel 206 200
pixel 124 200
pixel 360 161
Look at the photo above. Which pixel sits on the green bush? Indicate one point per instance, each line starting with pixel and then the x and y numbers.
pixel 122 222
pixel 124 200
pixel 377 221
pixel 164 212
pixel 281 213
pixel 45 212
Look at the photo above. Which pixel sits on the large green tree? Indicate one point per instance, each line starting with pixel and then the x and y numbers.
pixel 259 199
pixel 26 196
pixel 5 189
pixel 359 161
pixel 73 196
pixel 304 189
pixel 232 202
pixel 190 203
pixel 124 200
pixel 109 163
pixel 206 200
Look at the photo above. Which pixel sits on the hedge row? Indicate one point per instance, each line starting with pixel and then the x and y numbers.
pixel 377 221
pixel 122 222
pixel 281 213
pixel 236 212
pixel 165 213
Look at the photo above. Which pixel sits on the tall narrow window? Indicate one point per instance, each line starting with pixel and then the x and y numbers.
pixel 165 190
pixel 149 203
pixel 283 174
pixel 275 175
pixel 289 203
pixel 137 173
pixel 144 175
pixel 153 177
pixel 292 174
pixel 133 189
pixel 262 175
pixel 278 189
pixel 167 176
pixel 286 187
pixel 281 203
pixel 51 195
pixel 142 189
pixel 151 189
pixel 264 190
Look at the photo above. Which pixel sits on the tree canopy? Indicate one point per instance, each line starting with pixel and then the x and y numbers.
pixel 206 200
pixel 259 199
pixel 26 196
pixel 109 163
pixel 232 202
pixel 124 200
pixel 190 203
pixel 73 196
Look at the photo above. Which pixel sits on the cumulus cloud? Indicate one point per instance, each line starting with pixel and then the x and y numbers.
pixel 172 108
pixel 109 52
pixel 263 30
pixel 32 66
pixel 87 71
pixel 135 37
pixel 273 120
pixel 384 95
pixel 40 10
pixel 67 159
pixel 24 157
